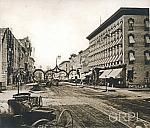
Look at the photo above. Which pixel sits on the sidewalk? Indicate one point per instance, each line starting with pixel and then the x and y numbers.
pixel 129 92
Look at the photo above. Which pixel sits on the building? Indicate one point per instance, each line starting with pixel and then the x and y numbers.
pixel 85 61
pixel 85 69
pixel 75 64
pixel 120 48
pixel 9 55
pixel 64 66
pixel 15 55
pixel 27 61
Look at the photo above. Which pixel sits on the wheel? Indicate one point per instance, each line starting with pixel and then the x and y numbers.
pixel 65 120
pixel 42 123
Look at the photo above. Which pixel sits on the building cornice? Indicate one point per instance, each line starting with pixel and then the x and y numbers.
pixel 122 11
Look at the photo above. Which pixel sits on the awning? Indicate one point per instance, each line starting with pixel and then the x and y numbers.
pixel 115 58
pixel 119 58
pixel 105 73
pixel 115 73
pixel 89 73
pixel 101 70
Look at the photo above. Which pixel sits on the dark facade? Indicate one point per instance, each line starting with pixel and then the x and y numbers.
pixel 15 55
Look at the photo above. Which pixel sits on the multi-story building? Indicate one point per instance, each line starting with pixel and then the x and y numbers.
pixel 120 48
pixel 9 54
pixel 85 61
pixel 75 64
pixel 27 61
pixel 14 55
pixel 64 66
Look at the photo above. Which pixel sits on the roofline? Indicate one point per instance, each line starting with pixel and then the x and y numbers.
pixel 122 11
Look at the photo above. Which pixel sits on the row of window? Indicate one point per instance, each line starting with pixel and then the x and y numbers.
pixel 105 57
pixel 130 75
pixel 131 56
pixel 109 38
pixel 131 23
pixel 107 53
pixel 116 45
pixel 106 60
pixel 115 31
pixel 97 63
pixel 112 31
pixel 100 48
pixel 132 41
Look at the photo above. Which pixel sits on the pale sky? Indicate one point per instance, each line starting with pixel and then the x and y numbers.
pixel 58 27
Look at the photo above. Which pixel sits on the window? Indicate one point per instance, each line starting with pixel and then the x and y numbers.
pixel 147 77
pixel 130 24
pixel 147 57
pixel 147 40
pixel 130 75
pixel 131 40
pixel 147 74
pixel 146 24
pixel 131 57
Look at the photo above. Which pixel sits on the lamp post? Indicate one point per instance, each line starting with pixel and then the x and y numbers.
pixel 19 78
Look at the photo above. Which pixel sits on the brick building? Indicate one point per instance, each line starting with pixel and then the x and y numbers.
pixel 14 54
pixel 120 48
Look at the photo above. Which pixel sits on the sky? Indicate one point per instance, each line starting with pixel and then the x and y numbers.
pixel 58 27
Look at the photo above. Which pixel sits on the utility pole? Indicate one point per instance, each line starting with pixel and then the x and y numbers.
pixel 106 83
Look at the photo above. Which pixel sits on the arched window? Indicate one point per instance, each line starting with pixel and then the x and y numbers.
pixel 147 74
pixel 147 40
pixel 130 74
pixel 131 56
pixel 131 39
pixel 130 24
pixel 147 57
pixel 146 24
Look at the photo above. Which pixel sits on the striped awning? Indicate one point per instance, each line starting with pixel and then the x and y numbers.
pixel 115 73
pixel 89 73
pixel 105 73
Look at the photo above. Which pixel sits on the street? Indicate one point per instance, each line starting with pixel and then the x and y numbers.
pixel 94 107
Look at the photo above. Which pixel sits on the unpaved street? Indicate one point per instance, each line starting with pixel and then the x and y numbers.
pixel 94 108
